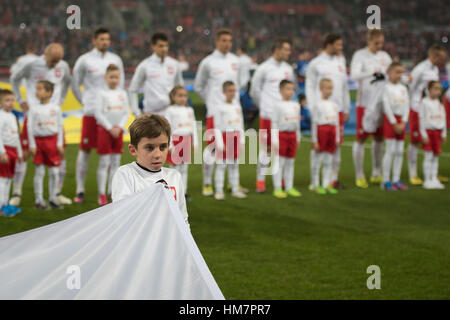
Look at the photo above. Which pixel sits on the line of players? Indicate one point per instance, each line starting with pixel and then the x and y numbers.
pixel 159 73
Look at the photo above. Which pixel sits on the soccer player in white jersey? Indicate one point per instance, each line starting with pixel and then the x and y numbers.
pixel 111 116
pixel 330 64
pixel 265 91
pixel 150 136
pixel 368 67
pixel 181 118
pixel 89 71
pixel 230 139
pixel 285 122
pixel 422 74
pixel 29 56
pixel 51 67
pixel 10 151
pixel 396 111
pixel 245 64
pixel 159 73
pixel 45 133
pixel 433 133
pixel 213 71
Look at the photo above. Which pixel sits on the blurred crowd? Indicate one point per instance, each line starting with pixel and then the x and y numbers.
pixel 410 26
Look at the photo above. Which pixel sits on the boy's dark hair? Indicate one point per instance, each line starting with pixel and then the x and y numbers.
pixel 301 97
pixel 279 42
pixel 99 31
pixel 159 36
pixel 148 126
pixel 284 83
pixel 222 32
pixel 394 65
pixel 5 92
pixel 227 84
pixel 112 67
pixel 48 86
pixel 331 38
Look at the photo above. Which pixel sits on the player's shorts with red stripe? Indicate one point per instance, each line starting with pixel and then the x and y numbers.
pixel 360 133
pixel 181 153
pixel 288 144
pixel 388 129
pixel 435 143
pixel 447 110
pixel 232 145
pixel 264 131
pixel 88 133
pixel 414 128
pixel 209 130
pixel 24 135
pixel 7 169
pixel 326 138
pixel 47 151
pixel 106 143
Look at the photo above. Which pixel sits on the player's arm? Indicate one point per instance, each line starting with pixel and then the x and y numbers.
pixel 416 78
pixel 314 117
pixel 298 132
pixel 275 126
pixel 310 83
pixel 136 83
pixel 346 97
pixel 444 131
pixel 257 84
pixel 179 76
pixel 124 119
pixel 121 186
pixel 405 115
pixel 2 146
pixel 387 108
pixel 201 79
pixel 16 78
pixel 79 71
pixel 422 120
pixel 60 124
pixel 356 68
pixel 100 116
pixel 30 126
pixel 122 73
pixel 194 130
pixel 66 82
pixel 217 133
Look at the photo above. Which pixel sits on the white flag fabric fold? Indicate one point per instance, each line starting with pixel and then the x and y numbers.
pixel 136 248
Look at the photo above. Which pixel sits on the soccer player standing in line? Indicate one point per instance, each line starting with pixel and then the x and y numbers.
pixel 51 67
pixel 422 74
pixel 213 71
pixel 89 71
pixel 265 90
pixel 329 64
pixel 368 67
pixel 158 73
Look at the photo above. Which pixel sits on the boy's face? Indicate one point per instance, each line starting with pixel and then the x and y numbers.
pixel 151 153
pixel 327 89
pixel 41 93
pixel 395 74
pixel 112 79
pixel 7 102
pixel 230 92
pixel 288 91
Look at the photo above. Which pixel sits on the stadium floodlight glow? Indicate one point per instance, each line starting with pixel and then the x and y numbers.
pixel 206 32
pixel 22 26
pixel 179 28
pixel 444 39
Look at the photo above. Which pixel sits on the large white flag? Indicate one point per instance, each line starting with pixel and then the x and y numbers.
pixel 136 248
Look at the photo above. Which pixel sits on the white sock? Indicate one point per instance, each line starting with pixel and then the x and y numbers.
pixel 314 167
pixel 219 177
pixel 327 172
pixel 104 161
pixel 7 189
pixel 387 159
pixel 412 160
pixel 427 166
pixel 38 181
pixel 358 159
pixel 208 170
pixel 277 176
pixel 19 176
pixel 377 157
pixel 233 176
pixel 263 157
pixel 53 182
pixel 3 199
pixel 113 166
pixel 398 160
pixel 336 164
pixel 289 173
pixel 62 176
pixel 81 169
pixel 434 167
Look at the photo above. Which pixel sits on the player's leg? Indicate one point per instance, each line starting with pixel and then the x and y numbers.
pixel 327 171
pixel 264 154
pixel 387 164
pixel 21 168
pixel 219 180
pixel 113 166
pixel 336 165
pixel 53 184
pixel 358 149
pixel 427 169
pixel 413 148
pixel 208 164
pixel 104 161
pixel 278 176
pixel 397 166
pixel 233 177
pixel 38 182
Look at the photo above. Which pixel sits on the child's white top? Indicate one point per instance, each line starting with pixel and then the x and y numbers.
pixel 432 116
pixel 9 132
pixel 325 112
pixel 228 117
pixel 182 122
pixel 395 101
pixel 45 120
pixel 132 178
pixel 423 73
pixel 286 117
pixel 113 109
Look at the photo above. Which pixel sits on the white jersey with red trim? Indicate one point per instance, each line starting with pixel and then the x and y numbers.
pixel 325 112
pixel 182 122
pixel 265 88
pixel 36 70
pixel 395 102
pixel 228 117
pixel 212 72
pixel 364 64
pixel 422 74
pixel 9 132
pixel 45 120
pixel 113 109
pixel 132 178
pixel 432 116
pixel 89 71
